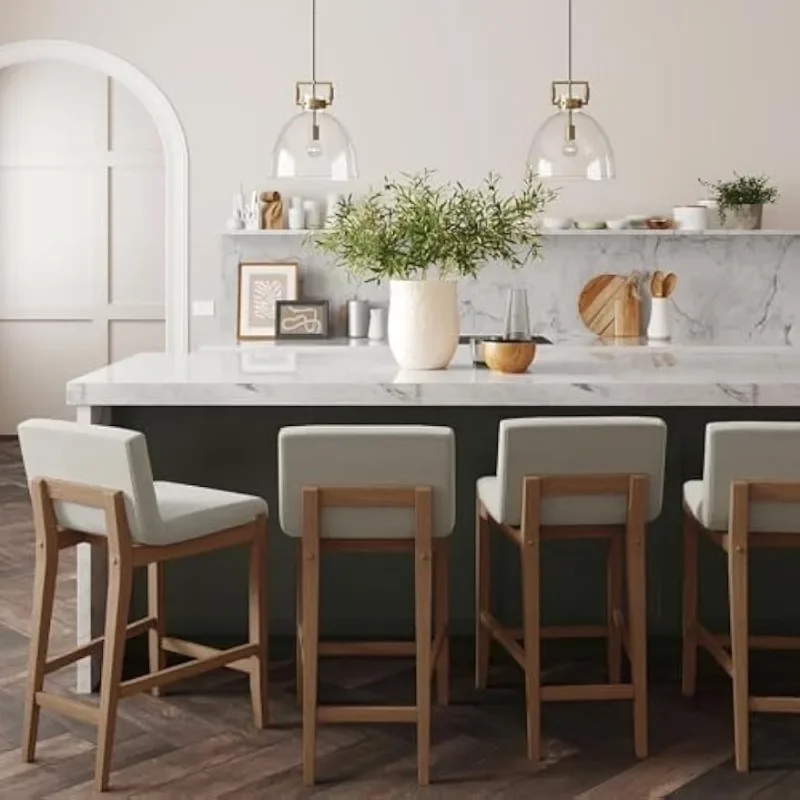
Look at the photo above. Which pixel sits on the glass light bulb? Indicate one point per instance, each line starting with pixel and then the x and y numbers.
pixel 314 149
pixel 570 148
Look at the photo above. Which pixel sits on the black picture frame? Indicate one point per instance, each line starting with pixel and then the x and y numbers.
pixel 293 322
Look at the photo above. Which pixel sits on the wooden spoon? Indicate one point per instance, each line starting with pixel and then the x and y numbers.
pixel 670 282
pixel 657 284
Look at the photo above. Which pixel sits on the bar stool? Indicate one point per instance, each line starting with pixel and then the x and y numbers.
pixel 92 484
pixel 370 489
pixel 564 479
pixel 749 497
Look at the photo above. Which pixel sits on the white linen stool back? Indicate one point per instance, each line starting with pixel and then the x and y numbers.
pixel 367 456
pixel 766 452
pixel 93 455
pixel 551 446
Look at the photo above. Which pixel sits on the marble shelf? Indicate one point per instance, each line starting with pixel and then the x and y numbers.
pixel 338 374
pixel 570 232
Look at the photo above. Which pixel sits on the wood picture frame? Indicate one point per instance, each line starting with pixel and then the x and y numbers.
pixel 261 286
pixel 302 319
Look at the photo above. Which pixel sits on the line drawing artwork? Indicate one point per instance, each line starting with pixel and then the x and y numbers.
pixel 302 319
pixel 265 293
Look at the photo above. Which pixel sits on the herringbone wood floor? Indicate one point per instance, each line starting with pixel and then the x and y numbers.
pixel 198 742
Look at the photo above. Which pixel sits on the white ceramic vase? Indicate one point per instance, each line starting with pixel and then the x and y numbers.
pixel 423 323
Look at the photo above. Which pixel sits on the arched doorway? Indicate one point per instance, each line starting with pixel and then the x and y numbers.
pixel 176 162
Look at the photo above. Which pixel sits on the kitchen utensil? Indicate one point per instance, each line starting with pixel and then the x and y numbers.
pixel 670 282
pixel 657 284
pixel 508 357
pixel 627 310
pixel 596 302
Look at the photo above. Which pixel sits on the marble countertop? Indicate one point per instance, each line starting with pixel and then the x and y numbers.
pixel 339 374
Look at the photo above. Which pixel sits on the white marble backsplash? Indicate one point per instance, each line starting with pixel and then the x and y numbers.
pixel 741 289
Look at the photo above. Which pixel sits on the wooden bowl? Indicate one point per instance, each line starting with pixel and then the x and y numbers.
pixel 509 356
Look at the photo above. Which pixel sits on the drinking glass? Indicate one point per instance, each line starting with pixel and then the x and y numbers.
pixel 518 324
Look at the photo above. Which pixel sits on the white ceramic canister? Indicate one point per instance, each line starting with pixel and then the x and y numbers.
pixel 713 220
pixel 691 218
pixel 377 324
pixel 297 215
pixel 659 328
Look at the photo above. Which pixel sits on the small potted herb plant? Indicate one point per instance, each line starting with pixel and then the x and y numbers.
pixel 422 237
pixel 741 201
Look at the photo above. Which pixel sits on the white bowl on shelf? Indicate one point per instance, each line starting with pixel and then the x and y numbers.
pixel 557 223
pixel 617 224
pixel 592 224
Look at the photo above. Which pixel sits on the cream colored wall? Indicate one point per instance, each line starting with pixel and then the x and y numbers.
pixel 684 89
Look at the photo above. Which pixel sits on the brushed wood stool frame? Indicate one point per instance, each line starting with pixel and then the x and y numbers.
pixel 124 556
pixel 626 559
pixel 731 652
pixel 431 647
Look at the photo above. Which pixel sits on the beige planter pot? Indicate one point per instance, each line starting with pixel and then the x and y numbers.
pixel 744 218
pixel 423 323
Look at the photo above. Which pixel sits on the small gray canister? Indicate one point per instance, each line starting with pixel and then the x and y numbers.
pixel 357 319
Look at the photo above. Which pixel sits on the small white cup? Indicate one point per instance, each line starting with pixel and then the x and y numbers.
pixel 377 324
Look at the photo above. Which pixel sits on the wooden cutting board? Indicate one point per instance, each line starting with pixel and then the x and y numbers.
pixel 596 302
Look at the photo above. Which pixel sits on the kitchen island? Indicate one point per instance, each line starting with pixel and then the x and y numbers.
pixel 212 418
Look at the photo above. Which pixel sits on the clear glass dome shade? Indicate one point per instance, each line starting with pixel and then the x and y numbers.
pixel 588 155
pixel 298 154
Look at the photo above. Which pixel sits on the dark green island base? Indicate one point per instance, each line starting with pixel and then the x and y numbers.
pixel 234 448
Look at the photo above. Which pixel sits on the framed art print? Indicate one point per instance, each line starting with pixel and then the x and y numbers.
pixel 302 320
pixel 261 287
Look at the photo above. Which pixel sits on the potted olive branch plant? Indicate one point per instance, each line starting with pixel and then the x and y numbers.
pixel 741 201
pixel 423 236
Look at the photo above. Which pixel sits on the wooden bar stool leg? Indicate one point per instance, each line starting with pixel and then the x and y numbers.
pixel 531 622
pixel 738 591
pixel 483 568
pixel 310 589
pixel 298 655
pixel 690 542
pixel 637 610
pixel 155 608
pixel 423 580
pixel 43 596
pixel 615 588
pixel 441 569
pixel 258 625
pixel 120 579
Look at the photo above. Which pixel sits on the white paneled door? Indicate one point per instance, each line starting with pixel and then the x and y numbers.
pixel 81 233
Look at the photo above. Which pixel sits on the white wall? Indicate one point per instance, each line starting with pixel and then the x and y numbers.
pixel 684 89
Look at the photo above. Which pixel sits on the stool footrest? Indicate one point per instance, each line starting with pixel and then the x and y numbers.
pixel 366 648
pixel 366 714
pixel 193 650
pixel 74 709
pixel 65 659
pixel 598 691
pixel 182 671
pixel 775 705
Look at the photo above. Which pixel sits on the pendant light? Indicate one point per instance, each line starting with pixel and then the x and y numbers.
pixel 571 144
pixel 314 144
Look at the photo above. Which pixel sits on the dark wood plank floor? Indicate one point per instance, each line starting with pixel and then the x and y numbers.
pixel 198 742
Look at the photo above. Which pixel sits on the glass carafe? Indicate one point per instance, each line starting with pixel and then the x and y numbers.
pixel 518 323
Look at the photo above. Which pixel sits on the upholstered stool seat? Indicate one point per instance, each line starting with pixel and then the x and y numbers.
pixel 370 488
pixel 190 512
pixel 93 485
pixel 572 478
pixel 749 496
